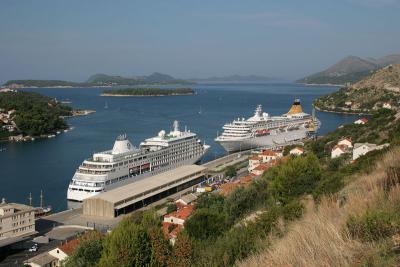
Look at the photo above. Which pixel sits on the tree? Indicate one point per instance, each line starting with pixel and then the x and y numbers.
pixel 161 249
pixel 205 223
pixel 127 245
pixel 230 171
pixel 88 252
pixel 183 251
pixel 297 176
pixel 171 207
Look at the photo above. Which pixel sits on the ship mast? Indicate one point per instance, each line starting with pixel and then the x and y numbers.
pixel 313 113
pixel 41 198
pixel 30 199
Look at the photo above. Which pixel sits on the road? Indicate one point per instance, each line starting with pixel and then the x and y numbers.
pixel 17 258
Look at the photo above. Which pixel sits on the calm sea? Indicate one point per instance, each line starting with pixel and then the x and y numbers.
pixel 49 164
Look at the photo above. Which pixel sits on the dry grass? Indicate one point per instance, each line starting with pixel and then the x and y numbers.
pixel 319 238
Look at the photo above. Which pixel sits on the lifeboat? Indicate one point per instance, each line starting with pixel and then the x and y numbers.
pixel 262 132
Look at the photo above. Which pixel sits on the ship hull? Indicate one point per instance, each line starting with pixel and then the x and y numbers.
pixel 263 141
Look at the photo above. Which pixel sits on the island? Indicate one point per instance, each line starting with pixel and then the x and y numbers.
pixel 140 92
pixel 101 80
pixel 29 115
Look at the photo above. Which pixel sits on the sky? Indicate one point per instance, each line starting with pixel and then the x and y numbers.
pixel 73 39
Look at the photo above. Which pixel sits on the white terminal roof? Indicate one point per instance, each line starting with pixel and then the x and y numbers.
pixel 154 182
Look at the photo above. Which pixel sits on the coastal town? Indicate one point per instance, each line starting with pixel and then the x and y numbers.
pixel 206 134
pixel 50 248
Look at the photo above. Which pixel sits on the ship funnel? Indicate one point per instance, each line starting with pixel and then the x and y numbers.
pixel 296 107
pixel 122 145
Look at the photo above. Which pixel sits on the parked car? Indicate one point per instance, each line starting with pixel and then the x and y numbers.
pixel 34 248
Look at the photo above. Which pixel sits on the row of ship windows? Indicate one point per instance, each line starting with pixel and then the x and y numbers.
pixel 176 150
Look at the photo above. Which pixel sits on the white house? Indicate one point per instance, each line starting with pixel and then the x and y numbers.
pixel 180 216
pixel 269 155
pixel 64 251
pixel 260 169
pixel 186 199
pixel 387 105
pixel 346 142
pixel 296 151
pixel 361 121
pixel 361 149
pixel 254 161
pixel 338 150
pixel 42 260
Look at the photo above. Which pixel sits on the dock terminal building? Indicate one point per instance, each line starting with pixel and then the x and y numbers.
pixel 136 195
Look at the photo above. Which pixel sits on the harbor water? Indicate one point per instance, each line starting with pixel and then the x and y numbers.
pixel 49 164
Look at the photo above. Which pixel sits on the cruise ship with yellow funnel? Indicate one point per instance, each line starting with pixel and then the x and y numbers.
pixel 263 130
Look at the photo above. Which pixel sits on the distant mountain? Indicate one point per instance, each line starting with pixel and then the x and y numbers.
pixel 41 83
pixel 155 78
pixel 235 78
pixel 349 70
pixel 102 80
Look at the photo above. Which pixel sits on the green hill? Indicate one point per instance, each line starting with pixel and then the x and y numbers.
pixel 42 83
pixel 155 78
pixel 34 115
pixel 371 93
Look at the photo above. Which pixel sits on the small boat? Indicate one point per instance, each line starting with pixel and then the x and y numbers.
pixel 40 211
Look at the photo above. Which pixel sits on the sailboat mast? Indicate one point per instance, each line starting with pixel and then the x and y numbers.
pixel 30 199
pixel 41 198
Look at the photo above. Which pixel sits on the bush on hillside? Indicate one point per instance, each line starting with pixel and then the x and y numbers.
pixel 373 225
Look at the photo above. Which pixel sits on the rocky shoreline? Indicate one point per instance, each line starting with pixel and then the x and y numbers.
pixel 122 95
pixel 341 112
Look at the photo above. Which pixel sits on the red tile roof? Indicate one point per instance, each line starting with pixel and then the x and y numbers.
pixel 227 188
pixel 69 247
pixel 346 138
pixel 255 157
pixel 261 167
pixel 182 213
pixel 268 152
pixel 175 229
pixel 341 147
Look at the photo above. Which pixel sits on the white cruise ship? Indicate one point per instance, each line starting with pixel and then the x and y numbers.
pixel 125 163
pixel 263 130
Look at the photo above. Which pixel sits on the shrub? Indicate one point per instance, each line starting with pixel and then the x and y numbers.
pixel 171 207
pixel 293 210
pixel 371 226
pixel 330 183
pixel 205 223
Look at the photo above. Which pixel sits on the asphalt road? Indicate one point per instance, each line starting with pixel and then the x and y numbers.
pixel 17 257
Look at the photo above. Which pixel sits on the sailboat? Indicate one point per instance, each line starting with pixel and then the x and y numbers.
pixel 40 211
pixel 200 111
pixel 106 105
